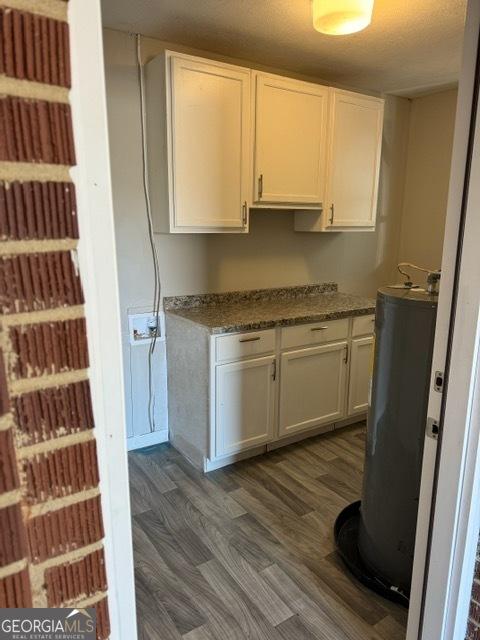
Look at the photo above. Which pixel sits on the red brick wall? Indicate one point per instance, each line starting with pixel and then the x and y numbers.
pixel 473 627
pixel 51 551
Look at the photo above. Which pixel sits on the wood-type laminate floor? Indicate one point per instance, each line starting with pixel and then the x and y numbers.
pixel 248 551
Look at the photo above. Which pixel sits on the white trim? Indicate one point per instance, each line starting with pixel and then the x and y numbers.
pixel 223 461
pixel 147 439
pixel 300 436
pixel 98 268
pixel 442 576
pixel 469 525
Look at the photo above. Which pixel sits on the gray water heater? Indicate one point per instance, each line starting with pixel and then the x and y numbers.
pixel 376 537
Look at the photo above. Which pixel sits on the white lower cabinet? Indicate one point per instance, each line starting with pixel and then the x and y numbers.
pixel 272 384
pixel 312 387
pixel 360 373
pixel 245 404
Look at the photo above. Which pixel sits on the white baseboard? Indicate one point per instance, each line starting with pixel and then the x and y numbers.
pixel 218 463
pixel 359 417
pixel 303 435
pixel 187 450
pixel 147 439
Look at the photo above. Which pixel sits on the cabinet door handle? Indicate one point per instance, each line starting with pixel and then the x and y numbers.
pixel 332 213
pixel 346 354
pixel 274 374
pixel 260 186
pixel 249 339
pixel 244 213
pixel 318 328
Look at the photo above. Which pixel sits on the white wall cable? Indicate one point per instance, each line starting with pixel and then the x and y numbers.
pixel 157 288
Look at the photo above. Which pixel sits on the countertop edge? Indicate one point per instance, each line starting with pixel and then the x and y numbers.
pixel 283 322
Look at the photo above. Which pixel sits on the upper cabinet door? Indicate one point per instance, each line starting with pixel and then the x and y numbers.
pixel 355 139
pixel 290 141
pixel 209 140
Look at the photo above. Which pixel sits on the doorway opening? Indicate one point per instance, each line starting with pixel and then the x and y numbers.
pixel 235 538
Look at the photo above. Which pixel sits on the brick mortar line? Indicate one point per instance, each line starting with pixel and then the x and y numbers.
pixel 32 511
pixel 55 9
pixel 34 171
pixel 6 422
pixel 10 358
pixel 26 385
pixel 9 498
pixel 54 444
pixel 86 602
pixel 12 568
pixel 69 557
pixel 16 247
pixel 32 90
pixel 37 581
pixel 57 314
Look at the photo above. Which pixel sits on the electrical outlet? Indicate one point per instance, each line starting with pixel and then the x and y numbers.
pixel 143 326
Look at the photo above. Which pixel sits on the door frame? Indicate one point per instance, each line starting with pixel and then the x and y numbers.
pixel 448 521
pixel 98 266
pixel 446 541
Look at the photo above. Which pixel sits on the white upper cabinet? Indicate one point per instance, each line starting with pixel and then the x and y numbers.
pixel 354 159
pixel 207 140
pixel 310 148
pixel 290 142
pixel 353 164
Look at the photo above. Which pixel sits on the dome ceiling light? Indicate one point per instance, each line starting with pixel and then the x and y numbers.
pixel 341 17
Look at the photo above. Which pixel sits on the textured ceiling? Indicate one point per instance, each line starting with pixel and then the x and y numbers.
pixel 411 45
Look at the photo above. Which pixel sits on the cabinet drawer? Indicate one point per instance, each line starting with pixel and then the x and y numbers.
pixel 363 326
pixel 315 333
pixel 244 345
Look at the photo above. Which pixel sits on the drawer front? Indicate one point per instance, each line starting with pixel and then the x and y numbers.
pixel 244 345
pixel 363 326
pixel 315 333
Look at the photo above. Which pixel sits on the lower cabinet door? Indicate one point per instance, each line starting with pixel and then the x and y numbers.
pixel 312 387
pixel 360 373
pixel 244 404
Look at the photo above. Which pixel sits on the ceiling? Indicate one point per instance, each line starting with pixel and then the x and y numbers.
pixel 411 46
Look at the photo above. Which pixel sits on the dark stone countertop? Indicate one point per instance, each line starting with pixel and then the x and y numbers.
pixel 233 314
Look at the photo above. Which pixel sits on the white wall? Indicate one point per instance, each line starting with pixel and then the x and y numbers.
pixel 182 259
pixel 271 255
pixel 429 153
